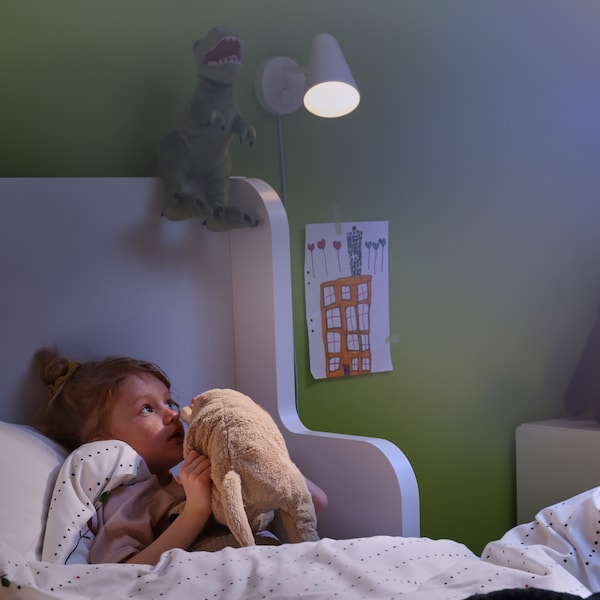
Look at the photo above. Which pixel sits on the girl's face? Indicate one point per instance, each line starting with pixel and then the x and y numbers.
pixel 145 417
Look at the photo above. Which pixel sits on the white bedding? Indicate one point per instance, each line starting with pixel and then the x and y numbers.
pixel 558 551
pixel 364 568
pixel 88 473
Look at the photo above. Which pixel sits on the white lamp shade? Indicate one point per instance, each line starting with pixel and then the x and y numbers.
pixel 330 87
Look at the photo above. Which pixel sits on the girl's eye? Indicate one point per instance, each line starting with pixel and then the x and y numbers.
pixel 146 409
pixel 172 405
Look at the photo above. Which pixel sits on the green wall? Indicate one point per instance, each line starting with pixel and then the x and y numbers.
pixel 477 138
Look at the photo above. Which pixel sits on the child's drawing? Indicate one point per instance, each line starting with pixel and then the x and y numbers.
pixel 346 287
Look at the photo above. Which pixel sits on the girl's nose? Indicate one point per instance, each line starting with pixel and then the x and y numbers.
pixel 171 415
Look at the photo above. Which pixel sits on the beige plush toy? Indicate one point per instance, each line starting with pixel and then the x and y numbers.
pixel 251 470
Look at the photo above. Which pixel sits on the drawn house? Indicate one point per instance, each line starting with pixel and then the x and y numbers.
pixel 346 306
pixel 345 313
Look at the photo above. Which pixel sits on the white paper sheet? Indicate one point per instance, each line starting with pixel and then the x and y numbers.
pixel 347 298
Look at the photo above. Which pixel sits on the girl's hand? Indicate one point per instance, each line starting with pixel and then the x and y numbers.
pixel 195 478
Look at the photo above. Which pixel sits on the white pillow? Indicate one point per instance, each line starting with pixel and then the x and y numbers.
pixel 29 464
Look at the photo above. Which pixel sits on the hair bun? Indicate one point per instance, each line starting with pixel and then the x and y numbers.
pixel 56 386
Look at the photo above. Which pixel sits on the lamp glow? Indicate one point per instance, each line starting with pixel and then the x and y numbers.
pixel 331 99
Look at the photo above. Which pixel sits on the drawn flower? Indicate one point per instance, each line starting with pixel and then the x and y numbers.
pixel 382 243
pixel 311 248
pixel 368 245
pixel 337 245
pixel 321 244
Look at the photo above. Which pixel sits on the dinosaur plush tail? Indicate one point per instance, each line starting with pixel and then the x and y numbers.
pixel 233 505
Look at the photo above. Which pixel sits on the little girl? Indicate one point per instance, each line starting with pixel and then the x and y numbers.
pixel 129 400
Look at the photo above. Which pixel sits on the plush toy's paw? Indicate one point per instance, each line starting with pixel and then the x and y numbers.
pixel 217 119
pixel 225 218
pixel 244 131
pixel 184 205
pixel 186 414
pixel 248 135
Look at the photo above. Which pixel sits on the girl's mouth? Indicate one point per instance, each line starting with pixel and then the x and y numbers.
pixel 178 435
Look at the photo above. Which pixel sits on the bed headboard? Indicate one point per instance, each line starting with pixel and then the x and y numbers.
pixel 91 267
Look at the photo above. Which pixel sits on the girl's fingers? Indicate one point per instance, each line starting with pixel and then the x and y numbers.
pixel 190 457
pixel 198 463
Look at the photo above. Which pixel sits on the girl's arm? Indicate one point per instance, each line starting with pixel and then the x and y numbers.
pixel 195 478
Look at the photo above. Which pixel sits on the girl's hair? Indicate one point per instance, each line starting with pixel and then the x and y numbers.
pixel 81 395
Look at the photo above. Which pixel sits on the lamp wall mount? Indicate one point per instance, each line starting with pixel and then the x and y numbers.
pixel 279 85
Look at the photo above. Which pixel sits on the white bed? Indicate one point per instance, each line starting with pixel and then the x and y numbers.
pixel 90 266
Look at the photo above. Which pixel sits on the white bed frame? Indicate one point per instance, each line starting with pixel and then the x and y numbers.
pixel 89 266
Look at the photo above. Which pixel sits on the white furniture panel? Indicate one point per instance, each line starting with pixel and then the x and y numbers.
pixel 370 477
pixel 556 459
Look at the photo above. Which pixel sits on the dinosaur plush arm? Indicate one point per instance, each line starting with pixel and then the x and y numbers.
pixel 243 130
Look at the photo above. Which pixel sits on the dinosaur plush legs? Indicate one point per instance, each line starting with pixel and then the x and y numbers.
pixel 189 195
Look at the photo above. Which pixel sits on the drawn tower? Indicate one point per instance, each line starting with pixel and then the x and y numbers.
pixel 346 316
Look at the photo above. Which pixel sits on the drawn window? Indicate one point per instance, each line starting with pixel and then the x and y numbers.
pixel 363 291
pixel 352 342
pixel 334 363
pixel 355 364
pixel 334 342
pixel 366 364
pixel 333 318
pixel 365 343
pixel 346 292
pixel 351 318
pixel 363 317
pixel 328 295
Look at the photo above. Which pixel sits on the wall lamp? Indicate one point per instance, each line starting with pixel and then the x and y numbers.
pixel 326 86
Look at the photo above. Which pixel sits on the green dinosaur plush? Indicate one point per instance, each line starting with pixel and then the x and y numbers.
pixel 194 158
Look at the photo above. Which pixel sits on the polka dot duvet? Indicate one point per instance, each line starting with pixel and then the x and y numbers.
pixel 557 551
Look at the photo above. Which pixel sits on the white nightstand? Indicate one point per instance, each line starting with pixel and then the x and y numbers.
pixel 556 459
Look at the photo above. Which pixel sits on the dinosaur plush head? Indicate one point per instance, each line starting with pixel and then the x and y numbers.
pixel 218 55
